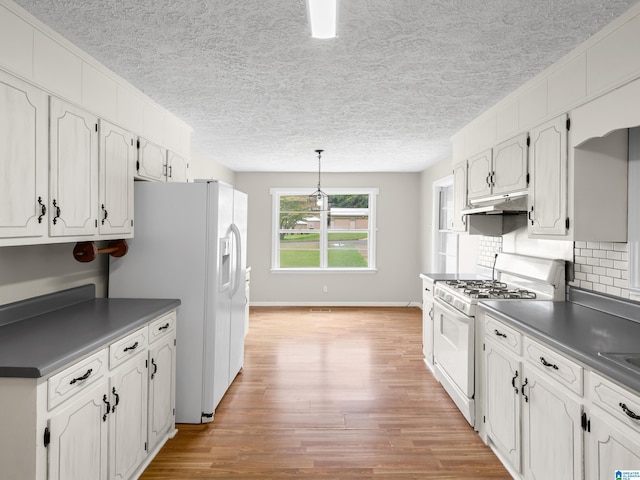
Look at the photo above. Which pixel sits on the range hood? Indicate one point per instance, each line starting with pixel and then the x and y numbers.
pixel 504 204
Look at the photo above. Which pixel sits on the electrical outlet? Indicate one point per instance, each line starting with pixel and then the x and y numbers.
pixel 325 289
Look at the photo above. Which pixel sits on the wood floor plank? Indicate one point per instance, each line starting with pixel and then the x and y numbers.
pixel 339 394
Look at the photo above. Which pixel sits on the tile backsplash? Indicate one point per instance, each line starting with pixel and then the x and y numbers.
pixel 488 248
pixel 602 267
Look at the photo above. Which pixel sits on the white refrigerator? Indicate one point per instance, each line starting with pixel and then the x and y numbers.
pixel 190 243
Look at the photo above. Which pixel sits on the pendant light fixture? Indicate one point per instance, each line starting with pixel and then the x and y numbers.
pixel 318 196
pixel 322 18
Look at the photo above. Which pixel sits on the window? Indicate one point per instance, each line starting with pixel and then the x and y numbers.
pixel 337 235
pixel 445 243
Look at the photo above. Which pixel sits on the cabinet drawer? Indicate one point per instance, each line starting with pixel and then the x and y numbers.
pixel 615 400
pixel 554 365
pixel 503 335
pixel 127 347
pixel 76 378
pixel 160 327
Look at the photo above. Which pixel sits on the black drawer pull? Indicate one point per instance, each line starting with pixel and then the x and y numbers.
pixel 629 413
pixel 132 347
pixel 547 364
pixel 106 401
pixel 500 334
pixel 526 381
pixel 83 377
pixel 113 409
pixel 513 382
pixel 155 368
pixel 43 209
pixel 164 327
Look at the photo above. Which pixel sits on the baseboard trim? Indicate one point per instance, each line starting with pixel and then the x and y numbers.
pixel 336 304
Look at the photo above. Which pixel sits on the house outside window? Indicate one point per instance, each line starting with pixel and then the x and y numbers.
pixel 337 235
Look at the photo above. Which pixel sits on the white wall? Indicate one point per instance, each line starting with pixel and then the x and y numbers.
pixel 205 167
pixel 31 270
pixel 396 281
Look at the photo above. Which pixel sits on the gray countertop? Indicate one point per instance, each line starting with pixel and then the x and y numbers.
pixel 40 344
pixel 576 330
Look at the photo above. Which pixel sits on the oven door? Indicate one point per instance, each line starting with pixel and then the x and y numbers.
pixel 454 354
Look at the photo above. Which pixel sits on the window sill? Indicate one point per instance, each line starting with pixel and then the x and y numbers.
pixel 315 271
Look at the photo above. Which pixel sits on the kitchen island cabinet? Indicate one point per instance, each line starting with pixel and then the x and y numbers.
pixel 74 379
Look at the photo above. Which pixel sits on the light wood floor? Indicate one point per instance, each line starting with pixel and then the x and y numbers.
pixel 342 395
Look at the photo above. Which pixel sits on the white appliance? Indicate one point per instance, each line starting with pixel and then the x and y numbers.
pixel 189 244
pixel 518 277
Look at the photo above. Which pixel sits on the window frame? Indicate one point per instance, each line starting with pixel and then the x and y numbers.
pixel 277 192
pixel 440 235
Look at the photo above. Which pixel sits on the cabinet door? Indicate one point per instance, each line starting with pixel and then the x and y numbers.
pixel 128 418
pixel 552 441
pixel 117 160
pixel 78 448
pixel 479 175
pixel 459 223
pixel 152 161
pixel 162 360
pixel 23 159
pixel 610 448
pixel 502 402
pixel 548 182
pixel 427 321
pixel 73 171
pixel 510 166
pixel 177 168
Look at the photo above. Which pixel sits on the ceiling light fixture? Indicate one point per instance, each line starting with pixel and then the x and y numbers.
pixel 318 196
pixel 322 17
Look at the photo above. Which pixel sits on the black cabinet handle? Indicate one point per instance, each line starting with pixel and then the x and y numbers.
pixel 132 347
pixel 513 382
pixel 547 364
pixel 43 209
pixel 530 214
pixel 629 413
pixel 155 368
pixel 164 327
pixel 57 215
pixel 526 380
pixel 83 377
pixel 106 401
pixel 106 214
pixel 113 409
pixel 499 334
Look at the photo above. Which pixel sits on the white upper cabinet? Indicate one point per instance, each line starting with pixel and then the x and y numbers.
pixel 73 165
pixel 479 170
pixel 152 161
pixel 510 163
pixel 548 188
pixel 117 159
pixel 23 160
pixel 177 167
pixel 459 223
pixel 500 171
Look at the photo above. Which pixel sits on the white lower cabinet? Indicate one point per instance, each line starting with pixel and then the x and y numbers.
pixel 502 403
pixel 162 361
pixel 128 417
pixel 532 419
pixel 552 433
pixel 103 417
pixel 78 437
pixel 427 320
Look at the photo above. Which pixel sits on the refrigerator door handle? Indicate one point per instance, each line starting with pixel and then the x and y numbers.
pixel 237 281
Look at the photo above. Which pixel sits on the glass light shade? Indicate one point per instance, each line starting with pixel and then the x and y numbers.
pixel 322 17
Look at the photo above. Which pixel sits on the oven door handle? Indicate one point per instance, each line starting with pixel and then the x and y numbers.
pixel 457 314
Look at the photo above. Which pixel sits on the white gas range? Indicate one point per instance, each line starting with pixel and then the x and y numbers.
pixel 516 277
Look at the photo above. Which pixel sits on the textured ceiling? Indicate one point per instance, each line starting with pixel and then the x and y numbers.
pixel 262 95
